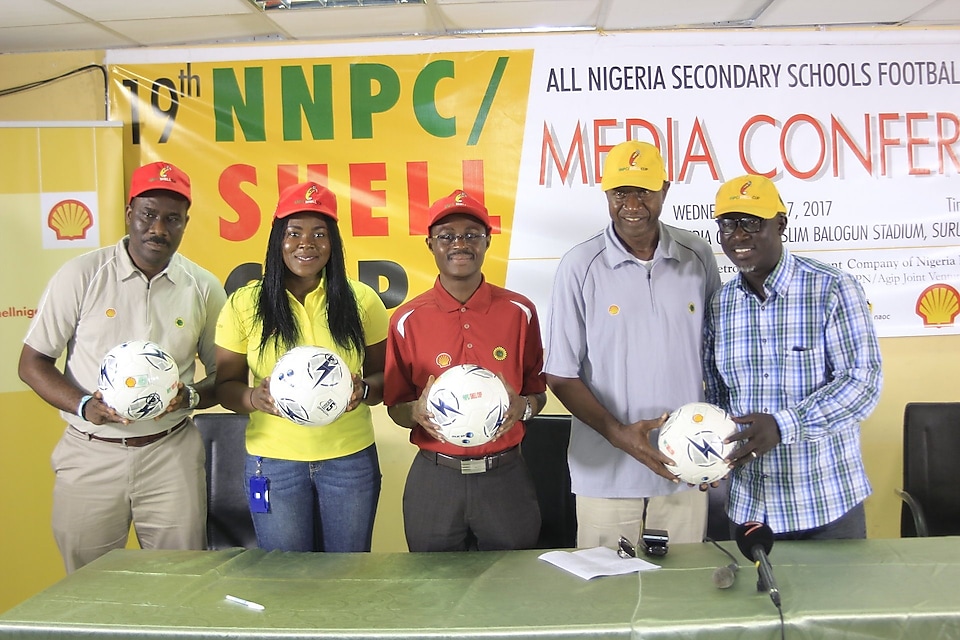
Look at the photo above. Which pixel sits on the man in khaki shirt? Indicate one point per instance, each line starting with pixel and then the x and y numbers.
pixel 111 471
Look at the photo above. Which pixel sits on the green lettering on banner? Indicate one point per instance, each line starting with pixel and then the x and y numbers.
pixel 228 100
pixel 425 99
pixel 364 102
pixel 488 97
pixel 316 108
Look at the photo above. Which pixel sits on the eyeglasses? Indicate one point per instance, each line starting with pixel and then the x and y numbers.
pixel 625 548
pixel 750 224
pixel 447 239
pixel 642 194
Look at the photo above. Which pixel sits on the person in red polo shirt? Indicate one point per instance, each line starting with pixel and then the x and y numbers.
pixel 489 503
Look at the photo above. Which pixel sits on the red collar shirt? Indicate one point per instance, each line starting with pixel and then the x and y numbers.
pixel 496 329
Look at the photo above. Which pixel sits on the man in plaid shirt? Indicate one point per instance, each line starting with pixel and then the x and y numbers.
pixel 790 351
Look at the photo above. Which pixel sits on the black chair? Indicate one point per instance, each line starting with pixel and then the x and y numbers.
pixel 718 523
pixel 228 513
pixel 545 451
pixel 931 472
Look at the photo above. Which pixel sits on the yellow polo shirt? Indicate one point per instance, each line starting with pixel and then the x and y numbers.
pixel 275 437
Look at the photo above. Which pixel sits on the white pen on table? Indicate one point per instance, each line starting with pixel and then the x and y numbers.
pixel 246 603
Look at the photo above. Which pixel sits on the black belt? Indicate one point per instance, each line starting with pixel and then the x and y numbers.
pixel 136 441
pixel 466 465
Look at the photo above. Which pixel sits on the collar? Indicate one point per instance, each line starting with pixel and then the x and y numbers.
pixel 778 282
pixel 480 300
pixel 616 254
pixel 129 270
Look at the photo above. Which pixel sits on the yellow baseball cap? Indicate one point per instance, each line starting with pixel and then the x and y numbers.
pixel 633 164
pixel 751 194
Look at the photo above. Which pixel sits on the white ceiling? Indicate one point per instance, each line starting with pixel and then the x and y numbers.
pixel 55 25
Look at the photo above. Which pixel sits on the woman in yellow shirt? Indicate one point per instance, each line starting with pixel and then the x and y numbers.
pixel 324 482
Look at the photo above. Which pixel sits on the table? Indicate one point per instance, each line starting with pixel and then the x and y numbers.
pixel 868 589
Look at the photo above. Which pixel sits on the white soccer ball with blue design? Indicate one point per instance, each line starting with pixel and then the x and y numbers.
pixel 311 386
pixel 469 403
pixel 138 379
pixel 693 438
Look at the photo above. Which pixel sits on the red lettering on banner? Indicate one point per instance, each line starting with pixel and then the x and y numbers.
pixel 418 196
pixel 289 175
pixel 575 153
pixel 865 157
pixel 744 132
pixel 247 209
pixel 697 137
pixel 784 151
pixel 913 141
pixel 885 142
pixel 944 143
pixel 363 198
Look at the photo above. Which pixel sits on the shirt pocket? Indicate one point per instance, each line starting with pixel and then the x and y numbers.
pixel 804 370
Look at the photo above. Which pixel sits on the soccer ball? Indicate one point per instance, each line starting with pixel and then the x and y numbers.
pixel 138 379
pixel 468 402
pixel 693 438
pixel 311 386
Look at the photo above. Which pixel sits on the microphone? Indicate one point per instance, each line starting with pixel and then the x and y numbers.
pixel 755 541
pixel 724 577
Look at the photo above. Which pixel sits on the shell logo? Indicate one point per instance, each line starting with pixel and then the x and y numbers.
pixel 938 305
pixel 70 219
pixel 697 417
pixel 613 309
pixel 110 313
pixel 444 360
pixel 130 382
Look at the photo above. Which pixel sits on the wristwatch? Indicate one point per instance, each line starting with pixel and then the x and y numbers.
pixel 528 412
pixel 194 397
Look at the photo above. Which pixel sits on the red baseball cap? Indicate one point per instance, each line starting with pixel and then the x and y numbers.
pixel 457 202
pixel 309 197
pixel 160 176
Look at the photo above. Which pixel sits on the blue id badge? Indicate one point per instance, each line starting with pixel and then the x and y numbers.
pixel 259 492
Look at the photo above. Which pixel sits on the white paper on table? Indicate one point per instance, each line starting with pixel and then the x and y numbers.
pixel 598 561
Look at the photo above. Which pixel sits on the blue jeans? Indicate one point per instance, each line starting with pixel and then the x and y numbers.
pixel 327 505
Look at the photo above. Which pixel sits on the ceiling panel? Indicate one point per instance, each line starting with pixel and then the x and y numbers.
pixel 21 14
pixel 816 12
pixel 41 25
pixel 529 14
pixel 942 12
pixel 201 29
pixel 346 22
pixel 648 14
pixel 102 10
pixel 58 37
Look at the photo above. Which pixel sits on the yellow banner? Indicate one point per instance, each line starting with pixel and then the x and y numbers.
pixel 61 191
pixel 388 134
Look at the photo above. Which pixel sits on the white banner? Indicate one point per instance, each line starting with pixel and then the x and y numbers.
pixel 859 130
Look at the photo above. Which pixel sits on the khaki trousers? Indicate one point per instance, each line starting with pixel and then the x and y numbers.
pixel 101 488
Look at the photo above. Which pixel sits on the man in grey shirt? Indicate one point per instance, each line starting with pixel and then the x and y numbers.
pixel 111 471
pixel 623 344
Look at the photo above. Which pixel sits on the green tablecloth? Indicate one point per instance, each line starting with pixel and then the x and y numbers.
pixel 864 589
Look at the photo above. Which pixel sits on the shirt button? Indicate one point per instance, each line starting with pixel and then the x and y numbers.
pixel 766 375
pixel 469 345
pixel 463 309
pixel 466 325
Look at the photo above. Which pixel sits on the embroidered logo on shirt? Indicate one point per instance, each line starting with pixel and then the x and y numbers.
pixel 111 313
pixel 444 360
pixel 692 307
pixel 500 353
pixel 179 322
pixel 613 309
